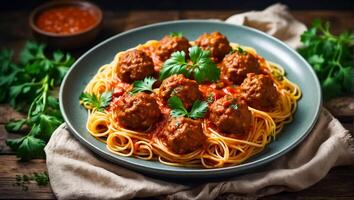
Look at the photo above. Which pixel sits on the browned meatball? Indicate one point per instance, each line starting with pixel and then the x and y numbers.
pixel 259 91
pixel 169 44
pixel 137 112
pixel 215 42
pixel 231 115
pixel 184 135
pixel 237 65
pixel 134 65
pixel 177 85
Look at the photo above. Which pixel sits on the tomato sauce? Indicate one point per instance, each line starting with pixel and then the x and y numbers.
pixel 66 20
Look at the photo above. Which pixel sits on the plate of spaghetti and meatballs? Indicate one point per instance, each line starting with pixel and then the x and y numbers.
pixel 186 98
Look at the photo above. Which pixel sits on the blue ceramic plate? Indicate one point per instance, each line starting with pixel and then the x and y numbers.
pixel 297 69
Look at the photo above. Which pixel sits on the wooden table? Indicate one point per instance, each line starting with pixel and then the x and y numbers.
pixel 14 31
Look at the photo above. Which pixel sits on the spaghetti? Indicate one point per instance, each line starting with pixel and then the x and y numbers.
pixel 219 150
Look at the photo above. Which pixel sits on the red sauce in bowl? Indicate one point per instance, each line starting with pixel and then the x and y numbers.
pixel 66 19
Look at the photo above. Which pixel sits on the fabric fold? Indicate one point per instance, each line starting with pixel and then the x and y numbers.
pixel 77 173
pixel 274 20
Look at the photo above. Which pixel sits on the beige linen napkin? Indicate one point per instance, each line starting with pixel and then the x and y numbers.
pixel 274 20
pixel 76 172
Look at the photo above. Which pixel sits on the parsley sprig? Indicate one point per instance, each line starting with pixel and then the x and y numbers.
pixel 330 56
pixel 234 106
pixel 239 49
pixel 92 101
pixel 41 178
pixel 143 85
pixel 198 109
pixel 28 86
pixel 176 34
pixel 200 66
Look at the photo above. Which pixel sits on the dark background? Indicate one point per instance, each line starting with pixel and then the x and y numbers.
pixel 194 4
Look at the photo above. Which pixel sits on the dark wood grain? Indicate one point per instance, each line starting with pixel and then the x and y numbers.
pixel 14 31
pixel 10 167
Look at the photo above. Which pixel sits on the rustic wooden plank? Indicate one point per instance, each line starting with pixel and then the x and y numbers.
pixel 14 27
pixel 10 167
pixel 349 126
pixel 140 18
pixel 341 107
pixel 293 196
pixel 338 183
pixel 118 21
pixel 208 14
pixel 4 135
pixel 340 21
pixel 7 113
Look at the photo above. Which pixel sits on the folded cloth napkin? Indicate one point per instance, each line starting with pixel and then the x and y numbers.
pixel 76 172
pixel 274 20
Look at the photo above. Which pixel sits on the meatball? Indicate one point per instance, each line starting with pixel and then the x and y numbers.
pixel 216 43
pixel 184 135
pixel 134 65
pixel 177 85
pixel 231 115
pixel 259 91
pixel 169 44
pixel 237 65
pixel 137 112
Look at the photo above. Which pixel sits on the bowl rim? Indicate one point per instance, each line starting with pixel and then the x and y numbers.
pixel 200 172
pixel 54 4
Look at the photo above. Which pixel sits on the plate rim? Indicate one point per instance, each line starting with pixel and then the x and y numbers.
pixel 189 172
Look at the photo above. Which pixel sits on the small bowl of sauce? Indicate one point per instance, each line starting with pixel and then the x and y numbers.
pixel 66 24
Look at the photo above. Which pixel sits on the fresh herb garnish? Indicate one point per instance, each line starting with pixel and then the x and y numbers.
pixel 176 34
pixel 28 87
pixel 232 51
pixel 234 106
pixel 91 101
pixel 242 51
pixel 198 110
pixel 143 85
pixel 210 98
pixel 330 56
pixel 200 67
pixel 175 65
pixel 278 75
pixel 176 104
pixel 41 179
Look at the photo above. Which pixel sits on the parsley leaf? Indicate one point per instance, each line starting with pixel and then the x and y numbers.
pixel 210 98
pixel 242 51
pixel 175 65
pixel 200 67
pixel 91 101
pixel 27 147
pixel 143 85
pixel 48 124
pixel 28 86
pixel 176 104
pixel 198 110
pixel 21 83
pixel 331 56
pixel 234 106
pixel 204 68
pixel 176 34
pixel 15 125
